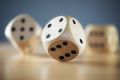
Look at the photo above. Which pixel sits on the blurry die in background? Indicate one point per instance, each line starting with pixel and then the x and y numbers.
pixel 102 38
pixel 24 33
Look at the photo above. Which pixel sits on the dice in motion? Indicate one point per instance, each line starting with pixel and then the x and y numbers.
pixel 24 33
pixel 102 38
pixel 63 38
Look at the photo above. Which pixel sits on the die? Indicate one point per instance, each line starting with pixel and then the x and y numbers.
pixel 24 33
pixel 63 38
pixel 102 38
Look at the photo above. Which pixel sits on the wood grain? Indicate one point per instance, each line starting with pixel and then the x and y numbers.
pixel 88 66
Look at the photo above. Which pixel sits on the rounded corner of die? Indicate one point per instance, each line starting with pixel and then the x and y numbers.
pixel 23 15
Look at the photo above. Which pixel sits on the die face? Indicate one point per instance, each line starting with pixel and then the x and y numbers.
pixel 102 38
pixel 63 50
pixel 112 38
pixel 77 32
pixel 23 28
pixel 96 39
pixel 54 28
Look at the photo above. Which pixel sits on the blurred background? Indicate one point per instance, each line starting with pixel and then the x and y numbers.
pixel 86 11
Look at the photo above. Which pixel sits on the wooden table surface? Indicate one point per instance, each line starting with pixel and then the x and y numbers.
pixel 88 66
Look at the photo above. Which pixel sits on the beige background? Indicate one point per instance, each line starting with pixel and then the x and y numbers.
pixel 88 66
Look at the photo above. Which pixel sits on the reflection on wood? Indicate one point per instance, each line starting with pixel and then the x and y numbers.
pixel 88 66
